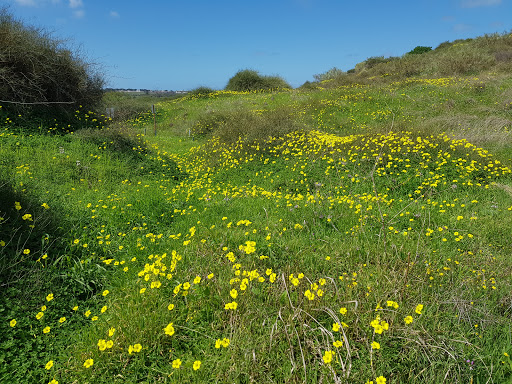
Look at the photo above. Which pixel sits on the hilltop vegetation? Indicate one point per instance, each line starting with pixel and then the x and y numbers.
pixel 42 81
pixel 484 54
pixel 353 232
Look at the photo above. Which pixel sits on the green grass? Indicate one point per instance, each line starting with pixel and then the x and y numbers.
pixel 371 198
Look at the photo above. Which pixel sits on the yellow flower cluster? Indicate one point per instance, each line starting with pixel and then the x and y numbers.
pixel 379 325
pixel 222 343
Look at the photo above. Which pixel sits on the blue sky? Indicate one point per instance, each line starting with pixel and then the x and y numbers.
pixel 182 44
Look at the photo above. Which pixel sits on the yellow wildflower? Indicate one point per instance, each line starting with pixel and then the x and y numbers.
pixel 102 344
pixel 327 357
pixel 169 330
pixel 88 363
pixel 176 363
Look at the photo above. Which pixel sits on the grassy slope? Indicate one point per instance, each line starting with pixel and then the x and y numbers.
pixel 377 207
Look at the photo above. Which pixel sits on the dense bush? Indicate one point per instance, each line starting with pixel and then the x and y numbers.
pixel 419 50
pixel 231 126
pixel 329 75
pixel 201 91
pixel 250 80
pixel 308 85
pixel 40 77
pixel 373 61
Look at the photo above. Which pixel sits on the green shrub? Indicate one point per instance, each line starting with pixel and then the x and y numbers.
pixel 374 61
pixel 330 74
pixel 419 50
pixel 209 122
pixel 201 91
pixel 247 125
pixel 250 80
pixel 407 66
pixel 307 86
pixel 40 77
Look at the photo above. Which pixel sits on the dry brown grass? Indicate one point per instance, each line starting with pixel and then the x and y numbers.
pixel 490 132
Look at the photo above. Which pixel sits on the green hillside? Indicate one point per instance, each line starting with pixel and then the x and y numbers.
pixel 353 230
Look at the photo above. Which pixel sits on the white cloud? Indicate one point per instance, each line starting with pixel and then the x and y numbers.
pixel 79 14
pixel 114 15
pixel 75 3
pixel 479 3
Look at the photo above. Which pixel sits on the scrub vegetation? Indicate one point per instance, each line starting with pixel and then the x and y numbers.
pixel 42 81
pixel 353 231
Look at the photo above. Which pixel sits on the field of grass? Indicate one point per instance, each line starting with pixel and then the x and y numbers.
pixel 354 234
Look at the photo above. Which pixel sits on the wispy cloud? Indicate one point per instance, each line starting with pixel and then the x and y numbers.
pixel 114 15
pixel 479 3
pixel 461 27
pixel 76 3
pixel 79 14
pixel 26 3
pixel 35 3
